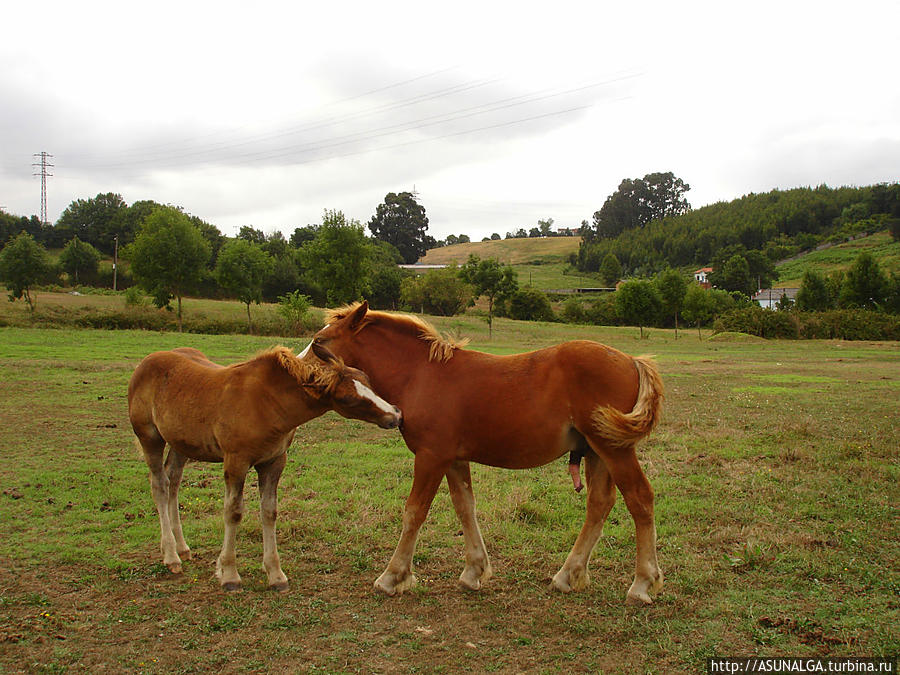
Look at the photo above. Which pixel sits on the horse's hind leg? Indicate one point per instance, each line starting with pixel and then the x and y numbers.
pixel 269 474
pixel 427 476
pixel 226 564
pixel 478 567
pixel 153 447
pixel 635 488
pixel 174 470
pixel 601 495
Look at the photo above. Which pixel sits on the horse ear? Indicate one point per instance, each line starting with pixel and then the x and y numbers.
pixel 323 352
pixel 357 315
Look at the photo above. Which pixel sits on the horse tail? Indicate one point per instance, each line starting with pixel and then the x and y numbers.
pixel 622 429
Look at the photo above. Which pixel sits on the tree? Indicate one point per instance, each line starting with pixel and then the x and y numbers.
pixel 384 287
pixel 302 235
pixel 495 237
pixel 338 259
pixel 734 275
pixel 638 302
pixel 610 269
pixel 530 304
pixel 814 294
pixel 79 256
pixel 639 201
pixel 672 288
pixel 491 280
pixel 698 306
pixel 23 262
pixel 91 220
pixel 546 227
pixel 168 256
pixel 252 235
pixel 242 270
pixel 440 292
pixel 865 284
pixel 400 220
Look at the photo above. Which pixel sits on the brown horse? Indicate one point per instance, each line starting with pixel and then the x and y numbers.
pixel 242 415
pixel 516 412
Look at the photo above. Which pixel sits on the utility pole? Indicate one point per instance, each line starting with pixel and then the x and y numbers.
pixel 115 259
pixel 44 166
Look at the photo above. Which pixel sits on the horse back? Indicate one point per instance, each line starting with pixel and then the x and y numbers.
pixel 518 410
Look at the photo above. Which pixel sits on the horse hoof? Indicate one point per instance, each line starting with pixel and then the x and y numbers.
pixel 185 555
pixel 638 600
pixel 559 584
pixel 175 567
pixel 280 587
pixel 232 587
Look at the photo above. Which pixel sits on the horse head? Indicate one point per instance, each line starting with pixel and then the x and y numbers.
pixel 351 394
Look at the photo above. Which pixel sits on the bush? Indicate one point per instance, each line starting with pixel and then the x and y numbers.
pixel 294 307
pixel 530 304
pixel 134 297
pixel 573 311
pixel 846 324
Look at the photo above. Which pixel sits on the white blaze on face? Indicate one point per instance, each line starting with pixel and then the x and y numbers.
pixel 365 392
pixel 305 351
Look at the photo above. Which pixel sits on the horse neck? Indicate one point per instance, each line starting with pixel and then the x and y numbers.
pixel 294 403
pixel 390 358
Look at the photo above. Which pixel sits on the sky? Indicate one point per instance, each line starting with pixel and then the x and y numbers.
pixel 496 114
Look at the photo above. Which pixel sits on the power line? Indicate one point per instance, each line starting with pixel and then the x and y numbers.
pixel 217 152
pixel 44 174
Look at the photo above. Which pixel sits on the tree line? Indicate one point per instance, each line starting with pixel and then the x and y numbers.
pixel 648 225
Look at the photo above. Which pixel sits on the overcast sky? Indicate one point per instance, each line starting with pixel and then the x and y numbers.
pixel 498 115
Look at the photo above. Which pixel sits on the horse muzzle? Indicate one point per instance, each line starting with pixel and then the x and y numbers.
pixel 392 421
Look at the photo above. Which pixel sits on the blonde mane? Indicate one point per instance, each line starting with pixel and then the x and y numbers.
pixel 306 372
pixel 441 347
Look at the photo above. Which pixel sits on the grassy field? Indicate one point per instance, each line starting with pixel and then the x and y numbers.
pixel 507 251
pixel 542 263
pixel 775 470
pixel 881 245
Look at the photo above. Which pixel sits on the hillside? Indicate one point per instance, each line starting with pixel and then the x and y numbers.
pixel 539 262
pixel 839 257
pixel 507 251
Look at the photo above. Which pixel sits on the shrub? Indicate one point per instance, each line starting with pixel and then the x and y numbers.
pixel 294 307
pixel 134 297
pixel 530 304
pixel 573 311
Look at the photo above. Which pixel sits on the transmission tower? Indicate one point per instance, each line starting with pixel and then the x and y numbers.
pixel 44 165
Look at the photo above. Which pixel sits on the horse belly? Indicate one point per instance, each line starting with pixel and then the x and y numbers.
pixel 519 447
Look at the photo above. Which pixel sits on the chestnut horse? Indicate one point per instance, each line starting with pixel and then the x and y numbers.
pixel 515 412
pixel 242 415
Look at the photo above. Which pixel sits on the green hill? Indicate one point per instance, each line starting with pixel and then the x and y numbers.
pixel 507 251
pixel 839 257
pixel 540 262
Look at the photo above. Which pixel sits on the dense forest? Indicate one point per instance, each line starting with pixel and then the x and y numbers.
pixel 776 224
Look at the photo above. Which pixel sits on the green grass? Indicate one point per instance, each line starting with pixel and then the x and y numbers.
pixel 774 470
pixel 840 257
pixel 507 251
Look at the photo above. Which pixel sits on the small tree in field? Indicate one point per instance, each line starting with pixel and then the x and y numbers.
pixel 672 288
pixel 491 280
pixel 23 262
pixel 168 256
pixel 698 306
pixel 638 302
pixel 79 257
pixel 242 269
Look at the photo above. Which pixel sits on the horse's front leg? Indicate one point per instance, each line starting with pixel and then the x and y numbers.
pixel 269 475
pixel 427 476
pixel 478 566
pixel 226 564
pixel 174 470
